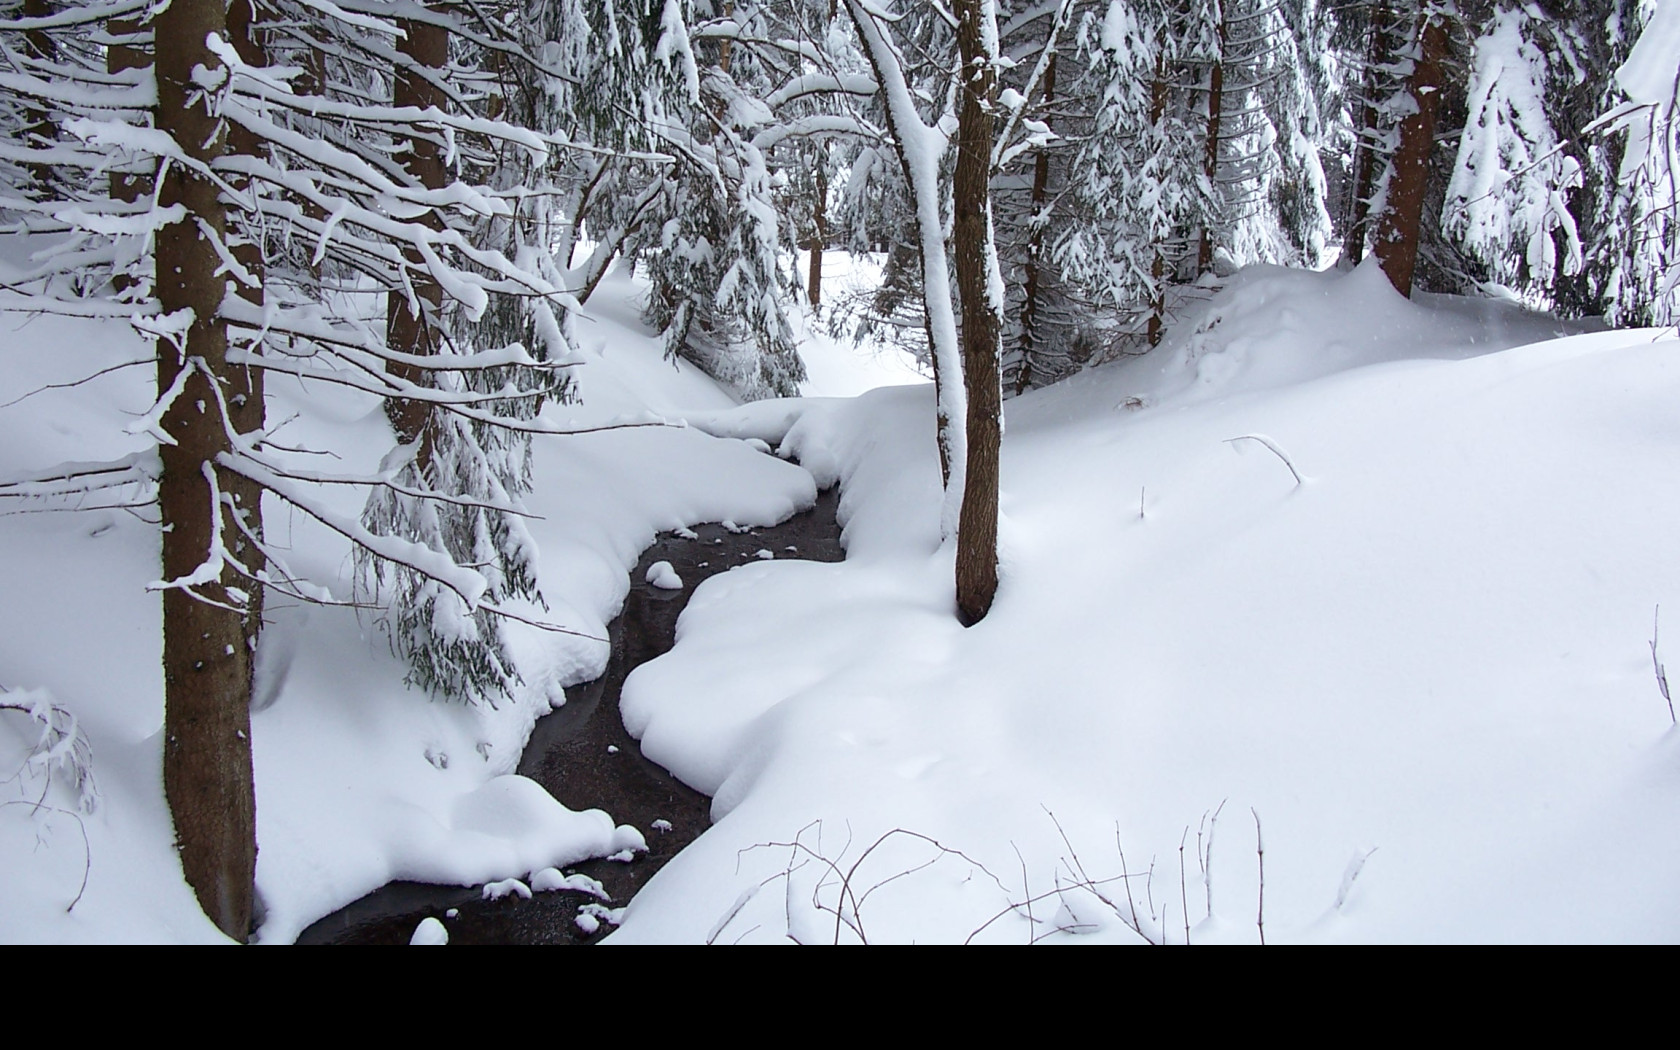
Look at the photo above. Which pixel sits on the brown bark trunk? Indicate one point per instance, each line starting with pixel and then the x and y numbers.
pixel 819 232
pixel 723 45
pixel 1157 265
pixel 245 385
pixel 206 664
pixel 1030 278
pixel 406 332
pixel 977 565
pixel 313 82
pixel 1399 226
pixel 39 129
pixel 1210 162
pixel 1379 53
pixel 127 187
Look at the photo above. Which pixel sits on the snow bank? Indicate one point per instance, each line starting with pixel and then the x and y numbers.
pixel 359 779
pixel 1437 648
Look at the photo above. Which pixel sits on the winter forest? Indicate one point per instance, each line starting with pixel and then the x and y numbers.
pixel 838 471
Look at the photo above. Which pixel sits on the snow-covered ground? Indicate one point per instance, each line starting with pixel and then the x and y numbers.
pixel 1424 669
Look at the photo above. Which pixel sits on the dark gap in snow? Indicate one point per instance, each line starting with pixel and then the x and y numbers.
pixel 571 754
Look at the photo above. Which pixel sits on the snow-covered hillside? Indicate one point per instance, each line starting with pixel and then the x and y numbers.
pixel 1424 669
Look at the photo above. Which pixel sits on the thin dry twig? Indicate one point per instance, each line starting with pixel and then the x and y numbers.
pixel 1656 664
pixel 1276 451
pixel 1260 851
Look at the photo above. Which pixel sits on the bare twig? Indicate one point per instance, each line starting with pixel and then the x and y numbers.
pixel 1260 851
pixel 78 382
pixel 1656 664
pixel 1207 858
pixel 1276 451
pixel 1183 897
pixel 1354 867
pixel 87 850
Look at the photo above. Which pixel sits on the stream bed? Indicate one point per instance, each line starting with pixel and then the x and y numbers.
pixel 585 758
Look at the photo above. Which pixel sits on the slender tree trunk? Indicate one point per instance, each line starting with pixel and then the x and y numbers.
pixel 39 129
pixel 206 664
pixel 1157 264
pixel 1031 278
pixel 313 82
pixel 1210 161
pixel 979 289
pixel 245 385
pixel 126 186
pixel 1399 225
pixel 921 173
pixel 723 45
pixel 408 331
pixel 819 232
pixel 1379 53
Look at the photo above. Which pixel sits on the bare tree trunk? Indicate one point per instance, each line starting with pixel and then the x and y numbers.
pixel 206 664
pixel 976 266
pixel 39 129
pixel 1399 225
pixel 1210 162
pixel 819 232
pixel 313 82
pixel 245 385
pixel 125 186
pixel 408 330
pixel 1157 265
pixel 1379 52
pixel 1031 291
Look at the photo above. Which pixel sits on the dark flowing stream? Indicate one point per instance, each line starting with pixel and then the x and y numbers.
pixel 585 758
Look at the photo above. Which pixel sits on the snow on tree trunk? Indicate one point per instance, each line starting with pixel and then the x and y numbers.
pixel 1399 225
pixel 206 663
pixel 920 150
pixel 1508 193
pixel 980 287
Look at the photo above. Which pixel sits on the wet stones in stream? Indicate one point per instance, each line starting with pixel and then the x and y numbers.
pixel 585 758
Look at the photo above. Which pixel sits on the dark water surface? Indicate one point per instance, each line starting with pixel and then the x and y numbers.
pixel 569 755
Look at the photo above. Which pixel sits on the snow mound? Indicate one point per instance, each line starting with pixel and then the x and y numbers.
pixel 663 575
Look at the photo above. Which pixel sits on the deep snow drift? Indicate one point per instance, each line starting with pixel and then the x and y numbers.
pixel 1423 670
pixel 1435 646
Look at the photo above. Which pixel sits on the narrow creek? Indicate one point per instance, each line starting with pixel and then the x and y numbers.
pixel 585 758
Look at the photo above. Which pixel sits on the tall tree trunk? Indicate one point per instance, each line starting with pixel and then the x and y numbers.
pixel 1399 225
pixel 819 231
pixel 1031 279
pixel 206 664
pixel 408 331
pixel 1157 264
pixel 921 173
pixel 313 82
pixel 245 385
pixel 1210 161
pixel 39 129
pixel 979 289
pixel 119 57
pixel 1379 53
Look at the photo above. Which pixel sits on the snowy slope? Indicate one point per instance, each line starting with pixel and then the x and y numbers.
pixel 1435 647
